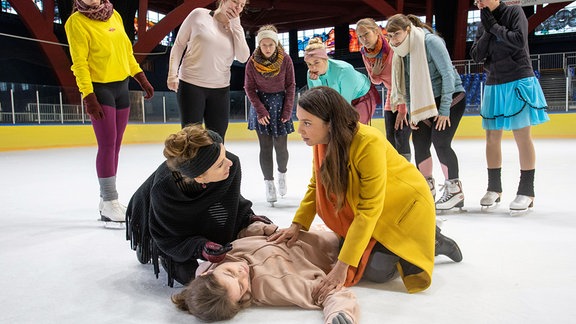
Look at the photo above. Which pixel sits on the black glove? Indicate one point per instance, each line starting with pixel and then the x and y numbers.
pixel 487 18
pixel 215 252
pixel 144 84
pixel 93 107
pixel 260 218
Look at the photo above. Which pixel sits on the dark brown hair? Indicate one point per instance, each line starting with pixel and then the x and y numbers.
pixel 402 22
pixel 342 119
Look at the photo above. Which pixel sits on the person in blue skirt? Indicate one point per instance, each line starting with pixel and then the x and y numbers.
pixel 270 86
pixel 513 98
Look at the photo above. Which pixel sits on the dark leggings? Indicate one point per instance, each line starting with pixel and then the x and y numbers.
pixel 382 267
pixel 115 102
pixel 280 145
pixel 399 138
pixel 426 135
pixel 198 104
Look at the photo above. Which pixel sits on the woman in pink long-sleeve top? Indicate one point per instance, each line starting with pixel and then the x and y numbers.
pixel 199 71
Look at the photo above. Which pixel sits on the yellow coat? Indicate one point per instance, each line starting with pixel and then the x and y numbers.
pixel 390 201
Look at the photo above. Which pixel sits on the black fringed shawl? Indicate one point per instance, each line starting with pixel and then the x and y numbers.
pixel 178 217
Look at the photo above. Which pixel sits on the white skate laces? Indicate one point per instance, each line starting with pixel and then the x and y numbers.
pixel 452 195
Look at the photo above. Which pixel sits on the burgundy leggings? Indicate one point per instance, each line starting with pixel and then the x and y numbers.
pixel 114 99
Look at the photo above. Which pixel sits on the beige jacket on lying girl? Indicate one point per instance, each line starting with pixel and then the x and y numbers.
pixel 282 276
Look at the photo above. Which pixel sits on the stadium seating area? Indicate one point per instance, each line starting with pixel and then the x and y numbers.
pixel 473 83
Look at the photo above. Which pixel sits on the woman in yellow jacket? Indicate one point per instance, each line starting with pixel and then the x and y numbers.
pixel 377 201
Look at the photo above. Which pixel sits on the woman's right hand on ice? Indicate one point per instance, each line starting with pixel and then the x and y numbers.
pixel 288 235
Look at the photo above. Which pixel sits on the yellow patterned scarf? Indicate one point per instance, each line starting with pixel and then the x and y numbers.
pixel 268 67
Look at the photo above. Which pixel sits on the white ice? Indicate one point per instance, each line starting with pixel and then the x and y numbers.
pixel 59 265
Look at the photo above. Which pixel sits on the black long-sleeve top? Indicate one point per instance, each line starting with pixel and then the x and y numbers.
pixel 183 216
pixel 504 47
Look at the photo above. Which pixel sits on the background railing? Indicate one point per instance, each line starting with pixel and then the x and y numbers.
pixel 39 104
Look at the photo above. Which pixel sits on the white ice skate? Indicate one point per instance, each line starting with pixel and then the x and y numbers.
pixel 490 200
pixel 520 205
pixel 452 196
pixel 112 213
pixel 270 192
pixel 282 188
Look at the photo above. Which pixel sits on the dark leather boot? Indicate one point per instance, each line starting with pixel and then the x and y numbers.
pixel 446 246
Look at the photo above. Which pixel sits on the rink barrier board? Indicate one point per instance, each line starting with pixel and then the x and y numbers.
pixel 27 137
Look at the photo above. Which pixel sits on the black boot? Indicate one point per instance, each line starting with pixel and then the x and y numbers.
pixel 446 246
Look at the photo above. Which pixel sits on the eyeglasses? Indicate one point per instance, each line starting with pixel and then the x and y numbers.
pixel 476 2
pixel 393 35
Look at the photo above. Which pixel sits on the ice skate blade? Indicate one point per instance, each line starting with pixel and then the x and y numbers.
pixel 110 224
pixel 113 225
pixel 519 212
pixel 455 210
pixel 486 208
pixel 459 204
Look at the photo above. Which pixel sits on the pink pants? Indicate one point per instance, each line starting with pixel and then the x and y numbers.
pixel 109 132
pixel 366 105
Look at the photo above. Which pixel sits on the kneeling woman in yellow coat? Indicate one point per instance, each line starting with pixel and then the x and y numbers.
pixel 370 195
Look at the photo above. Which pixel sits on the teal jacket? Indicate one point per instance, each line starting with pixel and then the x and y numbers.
pixel 342 77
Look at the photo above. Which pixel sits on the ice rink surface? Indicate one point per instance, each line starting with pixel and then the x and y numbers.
pixel 59 265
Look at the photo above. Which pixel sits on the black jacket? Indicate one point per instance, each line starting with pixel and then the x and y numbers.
pixel 504 47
